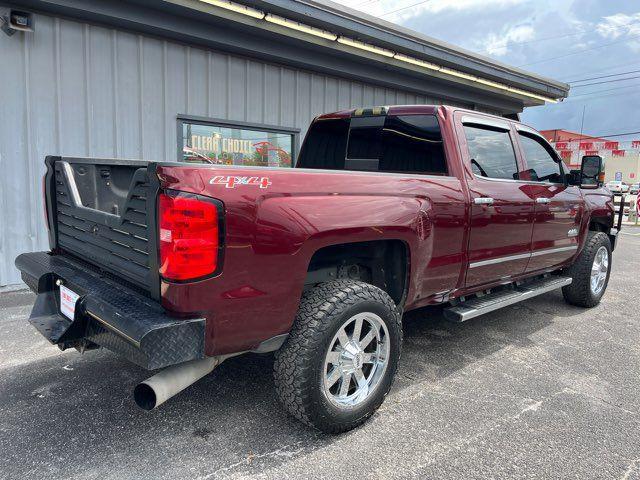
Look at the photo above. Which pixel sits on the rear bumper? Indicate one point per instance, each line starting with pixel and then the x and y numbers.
pixel 107 314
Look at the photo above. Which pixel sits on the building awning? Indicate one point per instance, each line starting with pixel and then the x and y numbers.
pixel 323 36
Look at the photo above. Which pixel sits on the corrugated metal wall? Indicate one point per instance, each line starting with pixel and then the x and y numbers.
pixel 80 90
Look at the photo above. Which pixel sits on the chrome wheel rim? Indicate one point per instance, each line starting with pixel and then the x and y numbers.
pixel 356 360
pixel 599 270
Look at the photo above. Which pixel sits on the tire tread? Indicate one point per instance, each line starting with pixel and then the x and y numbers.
pixel 579 292
pixel 294 362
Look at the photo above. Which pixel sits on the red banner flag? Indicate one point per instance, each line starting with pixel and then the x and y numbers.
pixel 611 145
pixel 635 144
pixel 586 145
pixel 618 153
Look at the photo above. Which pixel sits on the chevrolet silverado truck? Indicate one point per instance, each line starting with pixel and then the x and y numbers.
pixel 179 266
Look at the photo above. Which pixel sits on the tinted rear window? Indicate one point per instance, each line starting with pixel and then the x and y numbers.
pixel 491 152
pixel 402 144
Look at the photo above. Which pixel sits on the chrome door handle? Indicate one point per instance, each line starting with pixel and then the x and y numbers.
pixel 543 200
pixel 483 201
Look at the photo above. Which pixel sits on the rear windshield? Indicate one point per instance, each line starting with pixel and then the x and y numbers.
pixel 401 144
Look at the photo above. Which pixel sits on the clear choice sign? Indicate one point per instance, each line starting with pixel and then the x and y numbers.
pixel 216 143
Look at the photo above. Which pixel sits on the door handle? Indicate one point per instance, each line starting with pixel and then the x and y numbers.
pixel 483 201
pixel 543 200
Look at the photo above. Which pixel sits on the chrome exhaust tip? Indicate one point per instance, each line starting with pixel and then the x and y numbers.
pixel 145 397
pixel 156 390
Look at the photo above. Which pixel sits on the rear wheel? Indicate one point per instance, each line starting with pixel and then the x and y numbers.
pixel 339 360
pixel 590 272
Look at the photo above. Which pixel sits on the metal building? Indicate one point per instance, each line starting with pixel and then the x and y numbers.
pixel 207 80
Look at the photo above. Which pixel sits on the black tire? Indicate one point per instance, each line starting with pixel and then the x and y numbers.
pixel 580 293
pixel 299 366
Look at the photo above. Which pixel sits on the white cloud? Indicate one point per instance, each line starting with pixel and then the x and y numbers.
pixel 619 25
pixel 497 44
pixel 408 9
pixel 436 6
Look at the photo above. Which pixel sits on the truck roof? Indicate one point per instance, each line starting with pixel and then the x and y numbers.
pixel 413 110
pixel 384 110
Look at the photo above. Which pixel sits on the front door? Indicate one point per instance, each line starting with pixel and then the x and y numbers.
pixel 558 207
pixel 501 219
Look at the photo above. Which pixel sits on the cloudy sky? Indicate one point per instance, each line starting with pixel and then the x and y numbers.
pixel 567 40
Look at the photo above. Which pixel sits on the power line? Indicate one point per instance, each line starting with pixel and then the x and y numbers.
pixel 403 8
pixel 578 52
pixel 615 135
pixel 364 3
pixel 605 69
pixel 602 76
pixel 605 81
pixel 562 36
pixel 572 100
pixel 603 91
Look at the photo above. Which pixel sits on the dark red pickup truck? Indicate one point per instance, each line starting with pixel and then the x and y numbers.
pixel 388 209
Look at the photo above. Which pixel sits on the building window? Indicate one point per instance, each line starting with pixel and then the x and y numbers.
pixel 220 142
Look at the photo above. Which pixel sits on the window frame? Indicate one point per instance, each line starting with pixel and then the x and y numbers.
pixel 491 124
pixel 532 134
pixel 224 123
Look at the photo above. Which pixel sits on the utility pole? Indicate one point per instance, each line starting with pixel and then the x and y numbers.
pixel 582 123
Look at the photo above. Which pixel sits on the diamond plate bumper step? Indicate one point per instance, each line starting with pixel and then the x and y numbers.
pixel 477 306
pixel 107 314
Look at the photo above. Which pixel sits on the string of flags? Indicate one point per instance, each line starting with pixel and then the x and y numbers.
pixel 576 149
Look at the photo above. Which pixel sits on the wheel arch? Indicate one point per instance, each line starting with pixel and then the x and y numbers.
pixel 383 263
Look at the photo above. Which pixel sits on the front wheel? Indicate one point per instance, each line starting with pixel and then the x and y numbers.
pixel 340 358
pixel 590 272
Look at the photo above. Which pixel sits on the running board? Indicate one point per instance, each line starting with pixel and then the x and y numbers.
pixel 477 306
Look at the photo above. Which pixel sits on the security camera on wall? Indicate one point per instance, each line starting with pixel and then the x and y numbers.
pixel 16 21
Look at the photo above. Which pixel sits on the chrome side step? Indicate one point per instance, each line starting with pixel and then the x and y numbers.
pixel 477 306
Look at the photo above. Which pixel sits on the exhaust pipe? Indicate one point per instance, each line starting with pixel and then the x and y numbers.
pixel 156 390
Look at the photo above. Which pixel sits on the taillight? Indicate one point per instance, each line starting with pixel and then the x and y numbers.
pixel 189 234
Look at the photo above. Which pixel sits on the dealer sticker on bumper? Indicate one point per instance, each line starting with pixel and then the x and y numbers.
pixel 68 299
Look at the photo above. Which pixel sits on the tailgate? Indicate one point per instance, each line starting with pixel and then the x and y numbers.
pixel 103 212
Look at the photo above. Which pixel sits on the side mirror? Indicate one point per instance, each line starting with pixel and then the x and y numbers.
pixel 591 171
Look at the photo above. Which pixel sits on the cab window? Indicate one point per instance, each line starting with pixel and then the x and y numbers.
pixel 491 152
pixel 542 165
pixel 396 144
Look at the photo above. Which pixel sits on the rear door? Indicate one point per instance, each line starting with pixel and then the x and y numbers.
pixel 558 207
pixel 501 211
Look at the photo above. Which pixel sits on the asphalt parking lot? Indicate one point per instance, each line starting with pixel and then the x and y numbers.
pixel 537 390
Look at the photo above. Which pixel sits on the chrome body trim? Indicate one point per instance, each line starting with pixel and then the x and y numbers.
pixel 493 261
pixel 554 250
pixel 483 201
pixel 522 256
